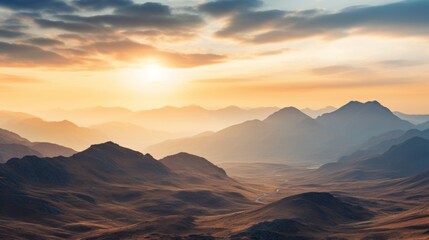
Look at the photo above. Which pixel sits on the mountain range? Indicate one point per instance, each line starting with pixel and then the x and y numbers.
pixel 290 136
pixel 166 119
pixel 111 182
pixel 62 132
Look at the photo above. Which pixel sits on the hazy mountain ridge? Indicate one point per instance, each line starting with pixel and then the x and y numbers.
pixel 159 119
pixel 315 113
pixel 289 135
pixel 408 158
pixel 12 145
pixel 413 118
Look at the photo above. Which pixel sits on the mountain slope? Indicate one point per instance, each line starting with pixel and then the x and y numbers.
pixel 64 133
pixel 301 216
pixel 380 144
pixel 14 146
pixel 191 165
pixel 131 135
pixel 270 139
pixel 406 159
pixel 424 125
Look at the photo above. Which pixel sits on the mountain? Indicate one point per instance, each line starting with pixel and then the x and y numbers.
pixel 9 116
pixel 315 113
pixel 195 119
pixel 89 116
pixel 64 132
pixel 291 136
pixel 302 216
pixel 413 118
pixel 424 125
pixel 187 120
pixel 380 144
pixel 191 165
pixel 287 116
pixel 12 145
pixel 132 135
pixel 406 159
pixel 111 191
pixel 356 122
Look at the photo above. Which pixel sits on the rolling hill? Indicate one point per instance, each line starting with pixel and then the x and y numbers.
pixel 107 190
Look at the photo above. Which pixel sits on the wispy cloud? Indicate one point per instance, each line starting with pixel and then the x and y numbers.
pixel 400 19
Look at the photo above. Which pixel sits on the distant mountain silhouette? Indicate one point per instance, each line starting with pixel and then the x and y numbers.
pixel 315 113
pixel 356 122
pixel 132 135
pixel 287 116
pixel 194 119
pixel 290 136
pixel 64 132
pixel 14 146
pixel 89 116
pixel 406 159
pixel 413 118
pixel 187 120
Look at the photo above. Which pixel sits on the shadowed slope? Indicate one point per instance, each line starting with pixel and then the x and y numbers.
pixel 185 163
pixel 406 159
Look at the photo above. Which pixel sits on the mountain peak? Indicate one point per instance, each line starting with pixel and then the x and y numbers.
pixel 106 145
pixel 108 150
pixel 287 115
pixel 192 164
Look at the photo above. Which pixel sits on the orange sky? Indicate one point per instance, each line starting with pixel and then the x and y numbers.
pixel 214 54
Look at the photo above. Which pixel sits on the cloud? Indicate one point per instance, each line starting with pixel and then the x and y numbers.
pixel 101 4
pixel 67 26
pixel 4 33
pixel 399 63
pixel 37 5
pixel 403 19
pixel 226 7
pixel 147 15
pixel 95 34
pixel 148 8
pixel 6 79
pixel 25 55
pixel 127 51
pixel 249 22
pixel 336 69
pixel 44 42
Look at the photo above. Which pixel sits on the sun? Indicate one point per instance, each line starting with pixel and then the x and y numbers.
pixel 153 73
pixel 150 78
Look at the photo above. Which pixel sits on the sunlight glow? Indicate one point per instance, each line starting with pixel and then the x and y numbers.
pixel 153 73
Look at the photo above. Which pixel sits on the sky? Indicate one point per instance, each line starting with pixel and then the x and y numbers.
pixel 250 53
